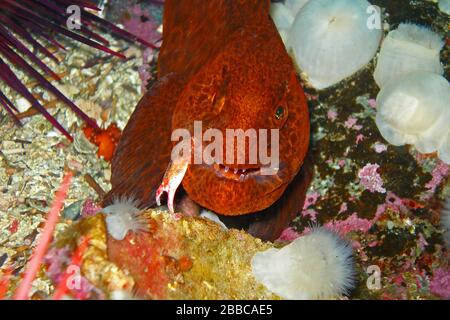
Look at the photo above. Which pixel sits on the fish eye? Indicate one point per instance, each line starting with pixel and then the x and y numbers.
pixel 279 113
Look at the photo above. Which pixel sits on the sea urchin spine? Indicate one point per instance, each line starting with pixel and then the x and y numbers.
pixel 33 20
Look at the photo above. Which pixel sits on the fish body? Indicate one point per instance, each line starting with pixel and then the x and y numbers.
pixel 222 63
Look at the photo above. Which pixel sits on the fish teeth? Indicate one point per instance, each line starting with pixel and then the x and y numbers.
pixel 241 177
pixel 236 171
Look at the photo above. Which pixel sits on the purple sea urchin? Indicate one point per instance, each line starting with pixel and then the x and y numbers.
pixel 35 23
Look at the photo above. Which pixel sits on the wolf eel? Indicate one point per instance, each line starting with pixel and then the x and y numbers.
pixel 224 63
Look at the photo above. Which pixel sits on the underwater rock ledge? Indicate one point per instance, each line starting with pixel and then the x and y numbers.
pixel 184 258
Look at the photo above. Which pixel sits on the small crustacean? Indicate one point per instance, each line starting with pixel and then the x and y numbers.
pixel 174 175
pixel 171 181
pixel 105 139
pixel 223 64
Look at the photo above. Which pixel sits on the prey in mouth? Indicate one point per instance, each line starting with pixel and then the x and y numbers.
pixel 176 171
pixel 237 174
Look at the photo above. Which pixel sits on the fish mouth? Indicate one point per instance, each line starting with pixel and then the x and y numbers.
pixel 241 173
pixel 235 190
pixel 237 174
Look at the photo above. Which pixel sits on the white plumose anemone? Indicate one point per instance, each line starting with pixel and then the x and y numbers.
pixel 444 6
pixel 123 216
pixel 295 5
pixel 316 266
pixel 330 40
pixel 407 49
pixel 414 109
pixel 283 15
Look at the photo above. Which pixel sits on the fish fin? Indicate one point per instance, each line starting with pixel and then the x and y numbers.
pixel 144 149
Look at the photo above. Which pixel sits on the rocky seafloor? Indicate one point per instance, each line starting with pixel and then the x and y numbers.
pixel 386 200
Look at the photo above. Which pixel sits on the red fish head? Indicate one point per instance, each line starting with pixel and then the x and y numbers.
pixel 250 86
